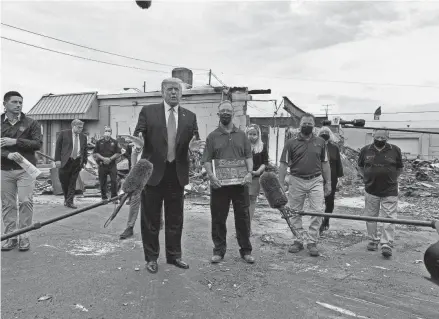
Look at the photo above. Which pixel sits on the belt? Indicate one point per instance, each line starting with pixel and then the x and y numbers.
pixel 308 177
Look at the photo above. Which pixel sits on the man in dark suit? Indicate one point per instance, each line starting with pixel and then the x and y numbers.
pixel 71 157
pixel 168 131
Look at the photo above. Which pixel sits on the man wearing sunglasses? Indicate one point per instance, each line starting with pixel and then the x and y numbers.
pixel 380 165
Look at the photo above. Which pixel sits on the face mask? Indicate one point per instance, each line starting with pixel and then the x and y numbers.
pixel 379 143
pixel 306 130
pixel 107 134
pixel 325 137
pixel 225 119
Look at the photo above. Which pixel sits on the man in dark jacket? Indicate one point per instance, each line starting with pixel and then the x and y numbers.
pixel 336 172
pixel 70 157
pixel 21 137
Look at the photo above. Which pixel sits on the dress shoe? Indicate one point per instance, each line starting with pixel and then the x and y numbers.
pixel 70 205
pixel 10 244
pixel 179 263
pixel 127 233
pixel 24 244
pixel 249 259
pixel 152 267
pixel 216 259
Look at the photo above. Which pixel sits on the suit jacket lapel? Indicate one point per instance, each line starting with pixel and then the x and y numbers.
pixel 162 119
pixel 70 135
pixel 181 122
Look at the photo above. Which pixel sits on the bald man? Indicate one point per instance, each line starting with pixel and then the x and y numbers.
pixel 168 131
pixel 380 165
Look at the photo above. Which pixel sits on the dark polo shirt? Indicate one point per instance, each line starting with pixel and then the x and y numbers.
pixel 305 157
pixel 107 148
pixel 380 169
pixel 223 145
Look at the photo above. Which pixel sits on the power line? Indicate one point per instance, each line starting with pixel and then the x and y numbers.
pixel 334 81
pixel 93 49
pixel 359 113
pixel 84 58
pixel 408 121
pixel 234 74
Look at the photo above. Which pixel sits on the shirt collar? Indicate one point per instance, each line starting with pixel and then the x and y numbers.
pixel 167 107
pixel 7 118
pixel 301 138
pixel 223 131
pixel 385 148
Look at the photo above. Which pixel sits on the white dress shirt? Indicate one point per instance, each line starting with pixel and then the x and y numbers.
pixel 78 147
pixel 168 111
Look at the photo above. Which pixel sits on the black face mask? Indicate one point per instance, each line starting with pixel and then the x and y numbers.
pixel 306 130
pixel 379 144
pixel 225 119
pixel 325 137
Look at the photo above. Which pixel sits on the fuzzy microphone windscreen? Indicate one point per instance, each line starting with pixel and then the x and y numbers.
pixel 431 261
pixel 138 176
pixel 273 191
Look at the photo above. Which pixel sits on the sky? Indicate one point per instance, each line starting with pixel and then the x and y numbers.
pixel 352 55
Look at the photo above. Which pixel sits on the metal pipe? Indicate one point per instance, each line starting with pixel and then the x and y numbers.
pixel 50 221
pixel 389 129
pixel 421 223
pixel 261 91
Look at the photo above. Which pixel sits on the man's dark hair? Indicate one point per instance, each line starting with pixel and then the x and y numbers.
pixel 307 115
pixel 10 94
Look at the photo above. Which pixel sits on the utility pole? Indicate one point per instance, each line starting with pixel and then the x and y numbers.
pixel 210 75
pixel 144 86
pixel 326 109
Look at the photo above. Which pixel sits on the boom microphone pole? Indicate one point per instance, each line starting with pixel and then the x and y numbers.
pixel 134 182
pixel 277 199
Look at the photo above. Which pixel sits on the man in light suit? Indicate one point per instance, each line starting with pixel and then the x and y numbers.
pixel 70 157
pixel 168 131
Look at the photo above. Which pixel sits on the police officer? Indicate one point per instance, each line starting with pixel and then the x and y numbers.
pixel 106 151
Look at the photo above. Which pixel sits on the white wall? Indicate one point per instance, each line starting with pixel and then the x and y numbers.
pixel 272 138
pixel 123 115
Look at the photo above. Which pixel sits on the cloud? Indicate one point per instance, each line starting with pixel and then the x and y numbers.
pixel 291 44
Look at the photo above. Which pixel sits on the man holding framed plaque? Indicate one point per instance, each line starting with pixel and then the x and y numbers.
pixel 228 161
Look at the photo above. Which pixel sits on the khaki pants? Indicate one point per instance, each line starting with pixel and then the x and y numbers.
pixel 298 190
pixel 389 209
pixel 17 183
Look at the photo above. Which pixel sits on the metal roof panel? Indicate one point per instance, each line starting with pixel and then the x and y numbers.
pixel 77 103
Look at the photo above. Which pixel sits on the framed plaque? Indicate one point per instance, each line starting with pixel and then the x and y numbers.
pixel 229 172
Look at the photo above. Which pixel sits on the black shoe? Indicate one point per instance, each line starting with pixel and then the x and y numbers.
pixel 127 233
pixel 24 244
pixel 216 259
pixel 179 263
pixel 10 244
pixel 249 259
pixel 70 205
pixel 152 267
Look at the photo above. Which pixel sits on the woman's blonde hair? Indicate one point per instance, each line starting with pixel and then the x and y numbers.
pixel 332 137
pixel 259 145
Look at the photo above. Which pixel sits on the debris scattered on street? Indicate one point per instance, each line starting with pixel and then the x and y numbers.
pixel 81 307
pixel 45 297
